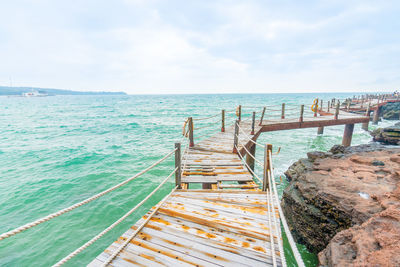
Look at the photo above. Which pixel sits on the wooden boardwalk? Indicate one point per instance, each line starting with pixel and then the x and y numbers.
pixel 219 226
pixel 203 228
pixel 212 161
pixel 230 221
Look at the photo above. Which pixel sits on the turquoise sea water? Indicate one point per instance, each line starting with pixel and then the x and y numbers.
pixel 56 151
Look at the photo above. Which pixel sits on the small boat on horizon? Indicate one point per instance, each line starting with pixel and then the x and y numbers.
pixel 33 94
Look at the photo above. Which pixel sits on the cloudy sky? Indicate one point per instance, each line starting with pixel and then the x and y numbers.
pixel 140 46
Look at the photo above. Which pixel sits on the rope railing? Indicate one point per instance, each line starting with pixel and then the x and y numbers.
pixel 101 234
pixel 205 118
pixel 248 137
pixel 248 167
pixel 90 199
pixel 292 243
pixel 248 153
pixel 128 240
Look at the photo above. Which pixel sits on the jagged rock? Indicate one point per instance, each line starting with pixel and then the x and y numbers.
pixel 391 111
pixel 376 242
pixel 328 195
pixel 389 135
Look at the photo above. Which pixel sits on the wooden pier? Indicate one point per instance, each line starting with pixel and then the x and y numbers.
pixel 236 218
pixel 215 226
pixel 230 222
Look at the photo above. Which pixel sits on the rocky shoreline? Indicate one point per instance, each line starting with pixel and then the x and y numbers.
pixel 345 204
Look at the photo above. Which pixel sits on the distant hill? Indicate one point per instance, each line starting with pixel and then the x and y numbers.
pixel 6 90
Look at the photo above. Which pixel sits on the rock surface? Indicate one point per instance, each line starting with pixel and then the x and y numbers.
pixel 391 111
pixel 389 135
pixel 353 187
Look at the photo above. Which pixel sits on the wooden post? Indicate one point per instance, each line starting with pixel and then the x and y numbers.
pixel 301 113
pixel 253 122
pixel 329 106
pixel 321 106
pixel 320 130
pixel 240 113
pixel 235 137
pixel 223 121
pixel 262 115
pixel 348 134
pixel 267 167
pixel 376 116
pixel 178 165
pixel 191 139
pixel 337 110
pixel 364 125
pixel 362 102
pixel 249 158
pixel 316 108
pixel 283 111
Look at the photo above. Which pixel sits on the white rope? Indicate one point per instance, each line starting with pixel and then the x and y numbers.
pixel 248 167
pixel 293 246
pixel 94 239
pixel 128 240
pixel 278 235
pixel 248 153
pixel 271 235
pixel 206 118
pixel 248 137
pixel 210 124
pixel 58 213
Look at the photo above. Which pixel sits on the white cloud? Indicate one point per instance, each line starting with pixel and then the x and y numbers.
pixel 250 47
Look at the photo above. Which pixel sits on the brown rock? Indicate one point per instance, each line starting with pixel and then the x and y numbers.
pixel 324 199
pixel 376 242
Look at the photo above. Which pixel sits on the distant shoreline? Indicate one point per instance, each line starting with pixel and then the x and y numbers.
pixel 18 91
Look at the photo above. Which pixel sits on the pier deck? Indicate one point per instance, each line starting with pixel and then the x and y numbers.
pixel 203 228
pixel 230 221
pixel 217 227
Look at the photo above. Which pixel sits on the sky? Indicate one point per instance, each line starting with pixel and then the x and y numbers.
pixel 157 47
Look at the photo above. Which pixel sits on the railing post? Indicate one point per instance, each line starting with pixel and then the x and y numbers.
pixel 337 110
pixel 253 122
pixel 223 121
pixel 301 113
pixel 283 111
pixel 178 165
pixel 316 108
pixel 240 113
pixel 329 106
pixel 267 167
pixel 235 137
pixel 364 126
pixel 191 139
pixel 262 115
pixel 322 103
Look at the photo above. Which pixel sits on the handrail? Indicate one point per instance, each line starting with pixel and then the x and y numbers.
pixel 60 212
pixel 292 243
pixel 205 118
pixel 247 165
pixel 94 239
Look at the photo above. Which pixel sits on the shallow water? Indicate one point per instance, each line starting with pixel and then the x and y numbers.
pixel 56 151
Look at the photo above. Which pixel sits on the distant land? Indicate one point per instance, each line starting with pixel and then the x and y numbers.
pixel 7 90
